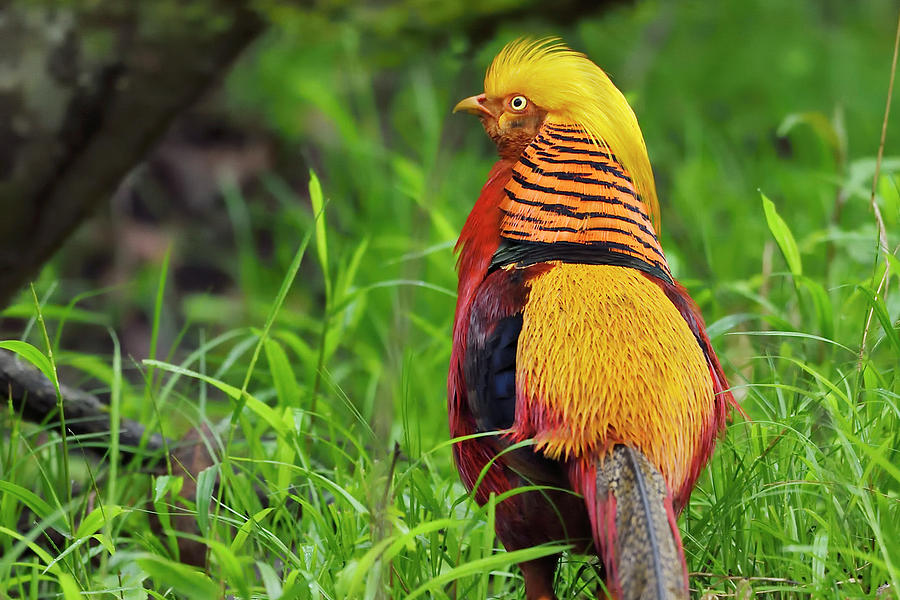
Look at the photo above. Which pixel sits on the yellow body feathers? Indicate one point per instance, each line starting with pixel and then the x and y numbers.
pixel 606 358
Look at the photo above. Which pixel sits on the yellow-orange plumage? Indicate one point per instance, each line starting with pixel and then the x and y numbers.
pixel 571 332
pixel 604 358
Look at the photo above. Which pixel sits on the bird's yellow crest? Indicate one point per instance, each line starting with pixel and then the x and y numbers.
pixel 573 90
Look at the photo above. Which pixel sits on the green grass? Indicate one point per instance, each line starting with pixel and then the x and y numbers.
pixel 322 377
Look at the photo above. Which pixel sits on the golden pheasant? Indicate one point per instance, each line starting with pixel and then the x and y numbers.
pixel 570 332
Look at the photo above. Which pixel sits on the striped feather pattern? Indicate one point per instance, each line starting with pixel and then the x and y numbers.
pixel 566 188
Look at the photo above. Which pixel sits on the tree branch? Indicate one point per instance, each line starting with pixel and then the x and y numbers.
pixel 34 397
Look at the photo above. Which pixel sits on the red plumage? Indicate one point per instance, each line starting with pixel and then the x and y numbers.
pixel 565 306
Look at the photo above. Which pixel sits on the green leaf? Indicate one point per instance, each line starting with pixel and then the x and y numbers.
pixel 69 586
pixel 783 236
pixel 876 302
pixel 286 386
pixel 233 392
pixel 94 366
pixel 351 578
pixel 743 590
pixel 231 567
pixel 318 206
pixel 34 502
pixel 50 311
pixel 261 409
pixel 271 580
pixel 206 480
pixel 830 132
pixel 164 483
pixel 821 304
pixel 182 579
pixel 97 518
pixel 29 543
pixel 889 191
pixel 32 355
pixel 488 563
pixel 255 405
pixel 105 542
pixel 241 536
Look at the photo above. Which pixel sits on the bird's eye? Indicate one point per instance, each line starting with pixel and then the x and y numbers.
pixel 518 103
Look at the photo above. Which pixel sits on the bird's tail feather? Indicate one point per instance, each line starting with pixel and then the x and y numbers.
pixel 633 526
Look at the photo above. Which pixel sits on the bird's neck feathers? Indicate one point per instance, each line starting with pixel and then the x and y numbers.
pixel 568 194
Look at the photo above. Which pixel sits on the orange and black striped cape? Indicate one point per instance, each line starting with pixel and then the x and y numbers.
pixel 567 190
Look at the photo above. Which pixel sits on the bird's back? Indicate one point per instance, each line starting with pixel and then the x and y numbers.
pixel 605 358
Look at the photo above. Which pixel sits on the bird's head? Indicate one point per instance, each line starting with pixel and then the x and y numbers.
pixel 533 81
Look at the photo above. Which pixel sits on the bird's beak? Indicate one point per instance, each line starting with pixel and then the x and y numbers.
pixel 474 105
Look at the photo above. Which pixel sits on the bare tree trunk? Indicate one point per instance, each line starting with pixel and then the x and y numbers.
pixel 85 90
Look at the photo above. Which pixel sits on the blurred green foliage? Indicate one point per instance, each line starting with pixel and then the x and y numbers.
pixel 734 98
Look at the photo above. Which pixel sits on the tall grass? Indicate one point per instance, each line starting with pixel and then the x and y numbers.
pixel 324 390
